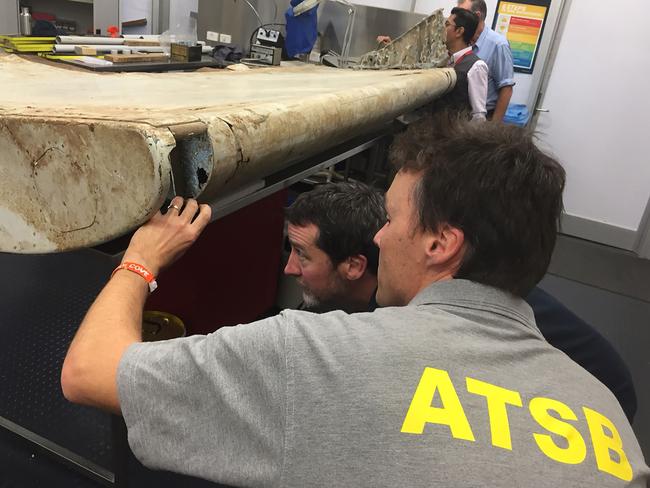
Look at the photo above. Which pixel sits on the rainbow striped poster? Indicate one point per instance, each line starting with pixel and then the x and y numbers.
pixel 522 24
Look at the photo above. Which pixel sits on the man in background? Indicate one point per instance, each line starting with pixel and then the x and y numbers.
pixel 470 91
pixel 494 49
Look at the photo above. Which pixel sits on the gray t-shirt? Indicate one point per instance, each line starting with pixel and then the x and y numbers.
pixel 458 389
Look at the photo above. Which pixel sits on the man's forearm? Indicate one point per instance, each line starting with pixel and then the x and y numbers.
pixel 112 324
pixel 505 94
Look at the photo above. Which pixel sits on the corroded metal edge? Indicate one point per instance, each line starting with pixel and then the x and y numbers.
pixel 75 180
pixel 71 184
pixel 255 142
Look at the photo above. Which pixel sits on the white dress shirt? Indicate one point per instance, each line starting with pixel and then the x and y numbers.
pixel 477 84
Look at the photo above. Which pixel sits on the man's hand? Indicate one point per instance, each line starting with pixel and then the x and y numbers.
pixel 383 40
pixel 114 322
pixel 505 94
pixel 165 238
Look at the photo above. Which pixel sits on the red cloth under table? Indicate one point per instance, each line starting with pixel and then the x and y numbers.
pixel 230 275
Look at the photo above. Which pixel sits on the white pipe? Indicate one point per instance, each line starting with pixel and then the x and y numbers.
pixel 88 40
pixel 146 37
pixel 107 48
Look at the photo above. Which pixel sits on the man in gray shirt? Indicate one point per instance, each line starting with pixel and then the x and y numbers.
pixel 449 384
pixel 334 261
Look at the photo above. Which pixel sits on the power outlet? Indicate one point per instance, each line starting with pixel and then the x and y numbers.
pixel 213 36
pixel 225 38
pixel 268 35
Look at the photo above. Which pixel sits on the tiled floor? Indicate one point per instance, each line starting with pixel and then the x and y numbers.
pixel 610 289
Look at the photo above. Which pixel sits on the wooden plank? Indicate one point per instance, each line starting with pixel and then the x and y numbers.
pixel 141 42
pixel 134 23
pixel 85 50
pixel 58 57
pixel 136 58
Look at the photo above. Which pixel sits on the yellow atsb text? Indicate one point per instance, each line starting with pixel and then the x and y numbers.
pixel 605 439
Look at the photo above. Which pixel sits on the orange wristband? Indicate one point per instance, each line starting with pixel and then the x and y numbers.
pixel 139 270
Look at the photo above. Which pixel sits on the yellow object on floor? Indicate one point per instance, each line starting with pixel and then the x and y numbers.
pixel 161 326
pixel 23 44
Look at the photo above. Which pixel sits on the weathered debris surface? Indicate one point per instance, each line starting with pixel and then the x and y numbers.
pixel 87 157
pixel 419 48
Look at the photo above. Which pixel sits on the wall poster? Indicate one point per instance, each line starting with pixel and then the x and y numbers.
pixel 522 23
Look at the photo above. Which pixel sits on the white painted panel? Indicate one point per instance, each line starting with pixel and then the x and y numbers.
pixel 522 90
pixel 404 5
pixel 105 14
pixel 598 120
pixel 135 10
pixel 427 6
pixel 9 17
pixel 179 11
pixel 491 7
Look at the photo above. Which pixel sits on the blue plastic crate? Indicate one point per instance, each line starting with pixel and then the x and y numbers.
pixel 517 114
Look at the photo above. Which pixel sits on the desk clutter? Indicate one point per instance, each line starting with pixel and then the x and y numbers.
pixel 27 44
pixel 102 53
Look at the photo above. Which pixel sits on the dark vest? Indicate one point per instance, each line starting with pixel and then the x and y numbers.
pixel 458 98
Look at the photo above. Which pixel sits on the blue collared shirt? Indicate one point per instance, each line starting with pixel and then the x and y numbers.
pixel 494 49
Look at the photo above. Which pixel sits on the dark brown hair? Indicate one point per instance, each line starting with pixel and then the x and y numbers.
pixel 491 181
pixel 467 20
pixel 348 215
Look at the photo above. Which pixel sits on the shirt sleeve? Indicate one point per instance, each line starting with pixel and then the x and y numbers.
pixel 585 345
pixel 503 68
pixel 210 406
pixel 477 80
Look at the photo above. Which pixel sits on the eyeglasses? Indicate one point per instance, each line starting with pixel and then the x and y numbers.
pixel 449 24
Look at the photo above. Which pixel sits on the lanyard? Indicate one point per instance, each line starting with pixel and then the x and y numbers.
pixel 463 57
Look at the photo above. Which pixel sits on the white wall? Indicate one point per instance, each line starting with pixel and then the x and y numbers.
pixel 105 14
pixel 598 113
pixel 9 17
pixel 135 10
pixel 427 6
pixel 179 11
pixel 404 5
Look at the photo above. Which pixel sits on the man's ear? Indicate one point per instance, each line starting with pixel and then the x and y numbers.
pixel 354 267
pixel 445 246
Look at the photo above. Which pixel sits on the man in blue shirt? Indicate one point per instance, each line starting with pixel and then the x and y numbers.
pixel 494 49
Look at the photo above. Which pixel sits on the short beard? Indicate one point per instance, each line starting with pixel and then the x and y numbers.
pixel 314 304
pixel 309 301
